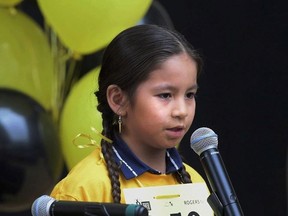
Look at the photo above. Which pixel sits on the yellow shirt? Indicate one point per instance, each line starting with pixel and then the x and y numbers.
pixel 89 181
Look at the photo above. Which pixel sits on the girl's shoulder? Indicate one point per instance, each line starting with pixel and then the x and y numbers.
pixel 86 181
pixel 90 167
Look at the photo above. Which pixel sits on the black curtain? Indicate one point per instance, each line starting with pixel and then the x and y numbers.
pixel 243 93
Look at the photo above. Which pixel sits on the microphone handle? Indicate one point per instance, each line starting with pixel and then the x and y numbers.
pixel 68 208
pixel 220 182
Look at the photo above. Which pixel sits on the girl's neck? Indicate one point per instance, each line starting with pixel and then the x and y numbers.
pixel 154 158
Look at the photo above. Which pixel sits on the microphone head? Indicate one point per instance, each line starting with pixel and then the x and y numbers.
pixel 41 206
pixel 202 139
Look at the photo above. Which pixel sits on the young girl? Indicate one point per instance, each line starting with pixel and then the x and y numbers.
pixel 147 87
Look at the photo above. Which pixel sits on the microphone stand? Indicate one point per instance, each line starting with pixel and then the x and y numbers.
pixel 232 209
pixel 215 204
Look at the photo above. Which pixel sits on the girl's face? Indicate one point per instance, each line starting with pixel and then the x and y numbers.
pixel 164 106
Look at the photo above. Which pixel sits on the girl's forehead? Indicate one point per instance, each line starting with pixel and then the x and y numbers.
pixel 176 71
pixel 176 58
pixel 176 64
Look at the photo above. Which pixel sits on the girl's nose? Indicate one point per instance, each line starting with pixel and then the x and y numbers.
pixel 180 109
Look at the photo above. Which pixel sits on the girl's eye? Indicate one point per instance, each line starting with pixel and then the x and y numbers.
pixel 191 95
pixel 165 95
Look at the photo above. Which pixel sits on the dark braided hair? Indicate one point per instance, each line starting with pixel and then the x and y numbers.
pixel 127 62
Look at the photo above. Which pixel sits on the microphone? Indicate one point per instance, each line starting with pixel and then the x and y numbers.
pixel 223 199
pixel 48 206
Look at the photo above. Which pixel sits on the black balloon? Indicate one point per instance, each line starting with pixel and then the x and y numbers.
pixel 30 156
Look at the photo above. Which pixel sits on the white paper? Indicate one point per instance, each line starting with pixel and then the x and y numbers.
pixel 172 200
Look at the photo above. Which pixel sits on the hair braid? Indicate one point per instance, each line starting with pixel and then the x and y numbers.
pixel 112 167
pixel 183 176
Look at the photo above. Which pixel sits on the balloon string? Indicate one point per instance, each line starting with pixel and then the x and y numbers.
pixel 92 141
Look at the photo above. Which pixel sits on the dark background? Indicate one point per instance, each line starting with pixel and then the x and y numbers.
pixel 243 92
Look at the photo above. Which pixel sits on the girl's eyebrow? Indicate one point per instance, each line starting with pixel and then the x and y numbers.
pixel 194 87
pixel 171 87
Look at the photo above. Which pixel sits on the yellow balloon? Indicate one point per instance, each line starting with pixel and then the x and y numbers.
pixel 79 114
pixel 86 26
pixel 9 3
pixel 26 63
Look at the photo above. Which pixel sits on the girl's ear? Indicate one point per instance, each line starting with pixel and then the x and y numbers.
pixel 116 99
